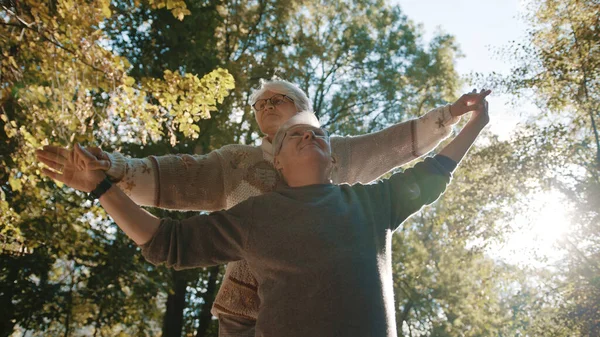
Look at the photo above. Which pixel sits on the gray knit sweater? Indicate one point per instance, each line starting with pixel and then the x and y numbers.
pixel 321 253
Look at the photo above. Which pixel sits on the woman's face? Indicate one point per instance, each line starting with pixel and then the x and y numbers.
pixel 270 116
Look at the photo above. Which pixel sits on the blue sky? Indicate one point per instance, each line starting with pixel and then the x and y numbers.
pixel 480 28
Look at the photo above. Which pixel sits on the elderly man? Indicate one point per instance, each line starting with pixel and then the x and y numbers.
pixel 321 253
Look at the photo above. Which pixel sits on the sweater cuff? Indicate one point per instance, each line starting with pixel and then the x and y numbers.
pixel 117 166
pixel 447 116
pixel 446 162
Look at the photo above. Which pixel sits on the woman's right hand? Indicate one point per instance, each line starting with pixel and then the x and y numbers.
pixel 76 168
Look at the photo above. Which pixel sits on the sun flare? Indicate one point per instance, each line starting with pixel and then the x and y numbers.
pixel 537 231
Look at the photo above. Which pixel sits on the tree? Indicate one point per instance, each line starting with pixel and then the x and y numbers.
pixel 558 67
pixel 63 269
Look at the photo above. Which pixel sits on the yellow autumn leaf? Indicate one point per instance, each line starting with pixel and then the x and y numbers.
pixel 106 11
pixel 180 13
pixel 128 80
pixel 15 184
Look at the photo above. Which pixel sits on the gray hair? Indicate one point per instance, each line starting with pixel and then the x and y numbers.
pixel 283 87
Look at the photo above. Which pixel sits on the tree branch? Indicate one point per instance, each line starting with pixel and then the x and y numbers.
pixel 30 26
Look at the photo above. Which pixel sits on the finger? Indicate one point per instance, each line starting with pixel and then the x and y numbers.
pixel 88 161
pixel 50 156
pixel 54 175
pixel 51 164
pixel 101 156
pixel 96 151
pixel 59 150
pixel 83 154
pixel 470 107
pixel 470 98
pixel 103 165
pixel 480 106
pixel 481 95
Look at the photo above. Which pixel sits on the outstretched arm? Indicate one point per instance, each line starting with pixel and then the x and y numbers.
pixel 365 158
pixel 406 192
pixel 77 171
pixel 160 181
pixel 198 241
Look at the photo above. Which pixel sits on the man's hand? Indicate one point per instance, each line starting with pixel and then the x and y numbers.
pixel 77 168
pixel 475 102
pixel 480 115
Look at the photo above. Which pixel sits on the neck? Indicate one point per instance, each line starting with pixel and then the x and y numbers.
pixel 306 178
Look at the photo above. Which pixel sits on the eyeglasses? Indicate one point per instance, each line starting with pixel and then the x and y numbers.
pixel 299 132
pixel 275 100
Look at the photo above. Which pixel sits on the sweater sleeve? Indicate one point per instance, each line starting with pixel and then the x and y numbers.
pixel 183 182
pixel 367 157
pixel 202 240
pixel 134 176
pixel 405 193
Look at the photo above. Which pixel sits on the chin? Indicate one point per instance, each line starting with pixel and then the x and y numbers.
pixel 317 155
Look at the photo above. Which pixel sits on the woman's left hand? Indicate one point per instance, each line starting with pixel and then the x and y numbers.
pixel 74 167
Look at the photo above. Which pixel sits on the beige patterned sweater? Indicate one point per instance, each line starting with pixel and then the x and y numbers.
pixel 225 177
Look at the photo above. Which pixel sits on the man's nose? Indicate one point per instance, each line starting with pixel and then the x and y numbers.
pixel 308 134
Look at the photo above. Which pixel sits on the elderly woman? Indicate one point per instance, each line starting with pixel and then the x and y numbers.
pixel 327 272
pixel 225 177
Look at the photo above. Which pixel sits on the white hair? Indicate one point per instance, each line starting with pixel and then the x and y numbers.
pixel 283 87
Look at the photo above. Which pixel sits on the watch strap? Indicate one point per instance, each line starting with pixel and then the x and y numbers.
pixel 100 189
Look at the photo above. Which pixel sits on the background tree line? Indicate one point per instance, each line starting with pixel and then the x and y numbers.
pixel 166 76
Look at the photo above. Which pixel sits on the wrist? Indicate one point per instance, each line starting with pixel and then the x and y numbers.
pixel 109 193
pixel 101 188
pixel 117 161
pixel 479 123
pixel 452 109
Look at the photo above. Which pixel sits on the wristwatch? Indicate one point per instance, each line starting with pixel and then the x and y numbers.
pixel 100 189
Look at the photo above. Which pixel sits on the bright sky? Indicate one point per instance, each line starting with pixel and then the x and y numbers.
pixel 480 28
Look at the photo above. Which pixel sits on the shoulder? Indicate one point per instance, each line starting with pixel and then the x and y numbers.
pixel 336 141
pixel 339 147
pixel 240 155
pixel 239 148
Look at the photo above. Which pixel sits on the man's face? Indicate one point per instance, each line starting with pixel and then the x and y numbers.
pixel 305 146
pixel 272 109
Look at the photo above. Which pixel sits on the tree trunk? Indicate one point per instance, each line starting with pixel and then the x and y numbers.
pixel 7 307
pixel 403 317
pixel 173 321
pixel 209 298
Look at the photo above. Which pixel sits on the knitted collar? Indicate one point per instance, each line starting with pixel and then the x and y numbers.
pixel 267 149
